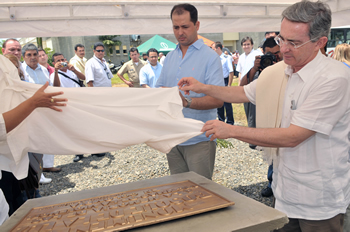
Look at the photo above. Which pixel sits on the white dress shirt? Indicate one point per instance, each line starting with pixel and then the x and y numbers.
pixel 246 62
pixel 98 72
pixel 312 179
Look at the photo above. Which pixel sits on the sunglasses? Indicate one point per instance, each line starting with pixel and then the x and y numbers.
pixel 99 50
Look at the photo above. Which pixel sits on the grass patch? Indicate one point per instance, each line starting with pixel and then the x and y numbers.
pixel 238 109
pixel 117 81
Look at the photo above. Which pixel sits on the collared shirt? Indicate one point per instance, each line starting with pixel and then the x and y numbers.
pixel 246 62
pixel 78 63
pixel 65 82
pixel 98 72
pixel 38 76
pixel 226 63
pixel 50 69
pixel 149 74
pixel 207 70
pixel 312 180
pixel 133 70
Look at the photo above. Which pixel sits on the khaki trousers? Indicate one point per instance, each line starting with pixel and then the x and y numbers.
pixel 199 158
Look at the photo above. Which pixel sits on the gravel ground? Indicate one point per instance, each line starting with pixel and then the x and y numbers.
pixel 240 169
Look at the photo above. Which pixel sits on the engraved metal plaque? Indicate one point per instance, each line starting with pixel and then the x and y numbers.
pixel 124 210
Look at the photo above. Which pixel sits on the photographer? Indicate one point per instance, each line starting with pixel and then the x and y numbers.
pixel 271 55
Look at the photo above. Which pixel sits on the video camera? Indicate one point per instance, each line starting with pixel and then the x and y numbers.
pixel 267 60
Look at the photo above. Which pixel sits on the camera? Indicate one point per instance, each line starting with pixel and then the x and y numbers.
pixel 64 64
pixel 267 60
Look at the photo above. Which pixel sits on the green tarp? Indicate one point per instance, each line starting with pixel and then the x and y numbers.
pixel 157 42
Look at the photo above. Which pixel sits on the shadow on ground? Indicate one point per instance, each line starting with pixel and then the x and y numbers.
pixel 254 191
pixel 61 181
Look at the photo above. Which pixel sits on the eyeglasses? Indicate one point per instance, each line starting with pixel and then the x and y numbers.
pixel 279 41
pixel 99 50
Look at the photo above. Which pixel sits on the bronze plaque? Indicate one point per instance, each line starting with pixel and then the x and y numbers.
pixel 124 210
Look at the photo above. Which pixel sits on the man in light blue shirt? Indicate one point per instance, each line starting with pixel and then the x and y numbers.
pixel 192 58
pixel 33 71
pixel 227 69
pixel 150 73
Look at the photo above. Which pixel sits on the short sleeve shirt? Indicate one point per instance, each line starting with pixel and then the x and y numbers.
pixel 133 70
pixel 149 74
pixel 98 72
pixel 207 69
pixel 246 62
pixel 66 82
pixel 312 179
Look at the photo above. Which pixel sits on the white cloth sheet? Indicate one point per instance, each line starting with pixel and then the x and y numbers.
pixel 95 120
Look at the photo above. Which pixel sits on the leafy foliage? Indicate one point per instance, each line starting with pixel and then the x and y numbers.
pixel 109 41
pixel 1 43
pixel 49 53
pixel 224 143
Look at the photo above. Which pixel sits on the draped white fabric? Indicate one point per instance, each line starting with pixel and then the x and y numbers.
pixel 95 120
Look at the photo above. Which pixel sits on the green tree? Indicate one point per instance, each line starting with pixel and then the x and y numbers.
pixel 49 53
pixel 1 43
pixel 109 41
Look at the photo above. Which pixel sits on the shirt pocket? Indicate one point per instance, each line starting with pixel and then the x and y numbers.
pixel 302 188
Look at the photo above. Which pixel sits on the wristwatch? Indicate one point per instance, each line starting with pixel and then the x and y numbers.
pixel 189 101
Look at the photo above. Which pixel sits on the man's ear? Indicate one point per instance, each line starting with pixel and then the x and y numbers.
pixel 197 25
pixel 322 42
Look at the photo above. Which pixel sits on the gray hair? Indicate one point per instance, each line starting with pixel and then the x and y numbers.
pixel 317 15
pixel 28 47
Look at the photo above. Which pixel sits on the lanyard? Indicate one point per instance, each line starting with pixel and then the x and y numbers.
pixel 104 67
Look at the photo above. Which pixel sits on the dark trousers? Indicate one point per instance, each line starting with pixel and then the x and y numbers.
pixel 334 224
pixel 10 186
pixel 269 174
pixel 229 111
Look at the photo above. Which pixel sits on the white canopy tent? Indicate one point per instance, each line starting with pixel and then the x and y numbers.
pixel 40 18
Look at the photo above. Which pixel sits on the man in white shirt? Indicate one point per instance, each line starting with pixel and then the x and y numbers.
pixel 246 60
pixel 33 71
pixel 67 73
pixel 38 74
pixel 310 105
pixel 161 58
pixel 69 77
pixel 97 72
pixel 79 61
pixel 150 73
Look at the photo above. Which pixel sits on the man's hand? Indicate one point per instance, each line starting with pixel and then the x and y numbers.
pixel 71 67
pixel 257 63
pixel 184 102
pixel 129 83
pixel 188 84
pixel 218 129
pixel 58 66
pixel 42 99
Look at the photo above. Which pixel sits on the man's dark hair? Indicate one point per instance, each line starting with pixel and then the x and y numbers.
pixel 29 47
pixel 133 49
pixel 181 8
pixel 269 43
pixel 56 54
pixel 41 50
pixel 246 39
pixel 152 50
pixel 11 39
pixel 98 44
pixel 218 45
pixel 78 46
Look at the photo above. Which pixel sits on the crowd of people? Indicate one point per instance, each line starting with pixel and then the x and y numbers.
pixel 297 110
